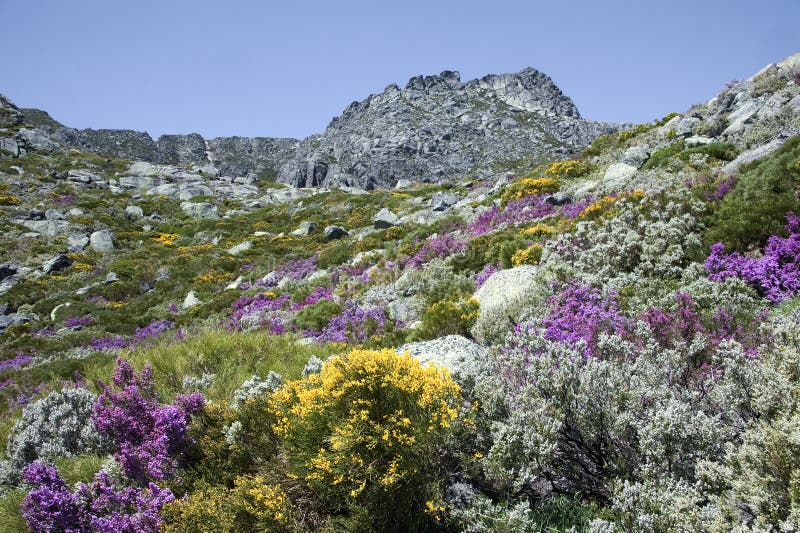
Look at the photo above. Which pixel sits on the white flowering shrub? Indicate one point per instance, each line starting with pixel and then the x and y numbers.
pixel 256 386
pixel 59 425
pixel 313 366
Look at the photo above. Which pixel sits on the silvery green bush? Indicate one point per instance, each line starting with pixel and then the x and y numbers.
pixel 59 425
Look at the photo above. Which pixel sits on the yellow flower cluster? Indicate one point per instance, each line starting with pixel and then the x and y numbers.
pixel 196 249
pixel 393 233
pixel 527 256
pixel 529 187
pixel 167 239
pixel 370 421
pixel 212 276
pixel 604 206
pixel 82 267
pixel 537 230
pixel 572 168
pixel 251 503
pixel 10 200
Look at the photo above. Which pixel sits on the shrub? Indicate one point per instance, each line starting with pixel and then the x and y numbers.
pixel 317 316
pixel 367 431
pixel 757 206
pixel 570 169
pixel 527 256
pixel 447 317
pixel 100 506
pixel 251 505
pixel 151 439
pixel 58 425
pixel 530 187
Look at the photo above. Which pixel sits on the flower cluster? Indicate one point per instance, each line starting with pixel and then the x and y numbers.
pixel 100 506
pixel 249 310
pixel 78 321
pixel 16 362
pixel 141 335
pixel 151 439
pixel 580 313
pixel 776 275
pixel 526 209
pixel 439 246
pixel 486 273
pixel 355 324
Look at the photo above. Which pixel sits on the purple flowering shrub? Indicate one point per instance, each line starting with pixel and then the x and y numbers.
pixel 580 313
pixel 775 275
pixel 51 507
pixel 295 270
pixel 486 273
pixel 440 246
pixel 257 309
pixel 355 324
pixel 526 209
pixel 140 336
pixel 151 439
pixel 78 321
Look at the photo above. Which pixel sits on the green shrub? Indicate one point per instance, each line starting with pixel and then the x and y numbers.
pixel 335 255
pixel 447 317
pixel 317 316
pixel 756 208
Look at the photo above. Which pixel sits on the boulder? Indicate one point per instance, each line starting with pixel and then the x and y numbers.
pixel 102 241
pixel 55 264
pixel 385 219
pixel 618 174
pixel 8 269
pixel 503 299
pixel 335 232
pixel 203 210
pixel 77 241
pixel 53 214
pixel 443 200
pixel 463 357
pixel 239 248
pixel 635 156
pixel 134 212
pixel 403 183
pixel 558 199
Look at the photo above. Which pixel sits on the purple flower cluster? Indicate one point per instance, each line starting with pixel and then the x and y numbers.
pixel 519 211
pixel 685 322
pixel 259 305
pixel 15 363
pixel 151 439
pixel 355 324
pixel 441 246
pixel 579 312
pixel 50 506
pixel 297 269
pixel 486 273
pixel 776 275
pixel 117 342
pixel 78 321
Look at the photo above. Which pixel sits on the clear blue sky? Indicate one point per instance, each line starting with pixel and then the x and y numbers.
pixel 285 68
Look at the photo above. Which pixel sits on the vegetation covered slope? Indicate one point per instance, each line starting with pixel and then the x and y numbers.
pixel 608 343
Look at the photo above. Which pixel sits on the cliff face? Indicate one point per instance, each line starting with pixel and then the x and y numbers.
pixel 438 128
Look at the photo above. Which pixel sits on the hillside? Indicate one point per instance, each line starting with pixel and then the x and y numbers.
pixel 611 320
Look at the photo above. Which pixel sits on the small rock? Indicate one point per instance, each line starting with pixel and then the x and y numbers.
pixel 558 199
pixel 102 241
pixel 305 229
pixel 8 269
pixel 235 284
pixel 134 212
pixel 443 200
pixel 6 308
pixel 191 300
pixel 335 232
pixel 112 277
pixel 239 248
pixel 385 219
pixel 55 264
pixel 697 140
pixel 35 214
pixel 403 183
pixel 75 212
pixel 56 309
pixel 77 241
pixel 53 214
pixel 686 126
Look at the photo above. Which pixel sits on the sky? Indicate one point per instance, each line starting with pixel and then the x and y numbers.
pixel 285 68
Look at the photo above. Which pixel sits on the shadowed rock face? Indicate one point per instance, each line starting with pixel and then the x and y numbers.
pixel 437 128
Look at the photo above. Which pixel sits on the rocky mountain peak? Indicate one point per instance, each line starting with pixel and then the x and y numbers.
pixel 438 128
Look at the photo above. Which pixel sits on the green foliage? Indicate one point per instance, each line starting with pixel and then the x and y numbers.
pixel 317 316
pixel 716 152
pixel 335 255
pixel 756 208
pixel 447 317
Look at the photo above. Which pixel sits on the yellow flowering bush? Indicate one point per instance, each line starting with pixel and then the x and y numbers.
pixel 537 230
pixel 529 187
pixel 82 267
pixel 367 432
pixel 527 256
pixel 10 200
pixel 605 205
pixel 167 239
pixel 195 250
pixel 570 169
pixel 211 277
pixel 251 505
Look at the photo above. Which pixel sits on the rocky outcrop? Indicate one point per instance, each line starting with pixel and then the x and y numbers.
pixel 437 128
